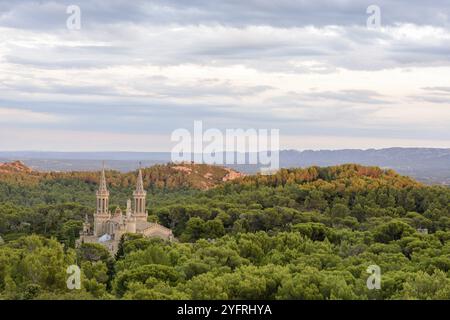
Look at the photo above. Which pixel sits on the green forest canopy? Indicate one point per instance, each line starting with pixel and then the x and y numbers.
pixel 298 234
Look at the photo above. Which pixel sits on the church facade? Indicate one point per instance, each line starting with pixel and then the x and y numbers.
pixel 108 227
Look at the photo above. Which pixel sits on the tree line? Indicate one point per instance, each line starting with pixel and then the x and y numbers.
pixel 298 234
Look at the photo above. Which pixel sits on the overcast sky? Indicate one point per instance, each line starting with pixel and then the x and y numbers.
pixel 137 70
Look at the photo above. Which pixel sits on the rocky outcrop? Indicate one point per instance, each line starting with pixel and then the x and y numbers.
pixel 231 175
pixel 15 166
pixel 205 176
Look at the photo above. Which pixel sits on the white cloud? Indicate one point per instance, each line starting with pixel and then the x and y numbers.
pixel 20 116
pixel 151 68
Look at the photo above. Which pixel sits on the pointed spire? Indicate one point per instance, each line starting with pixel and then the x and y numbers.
pixel 139 197
pixel 139 182
pixel 102 187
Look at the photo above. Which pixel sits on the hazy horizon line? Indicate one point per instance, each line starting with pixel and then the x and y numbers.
pixel 165 151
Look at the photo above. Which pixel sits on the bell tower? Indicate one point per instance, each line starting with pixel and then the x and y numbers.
pixel 102 195
pixel 139 196
pixel 102 214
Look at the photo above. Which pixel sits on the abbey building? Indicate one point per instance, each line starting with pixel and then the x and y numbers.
pixel 108 228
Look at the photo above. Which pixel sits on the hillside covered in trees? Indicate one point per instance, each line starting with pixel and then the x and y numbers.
pixel 298 234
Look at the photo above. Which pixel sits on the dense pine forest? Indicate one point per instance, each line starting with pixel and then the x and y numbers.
pixel 298 234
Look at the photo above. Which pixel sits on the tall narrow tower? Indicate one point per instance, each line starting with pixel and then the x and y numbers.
pixel 102 214
pixel 139 196
pixel 102 195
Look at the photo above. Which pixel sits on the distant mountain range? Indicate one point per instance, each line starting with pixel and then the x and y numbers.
pixel 429 165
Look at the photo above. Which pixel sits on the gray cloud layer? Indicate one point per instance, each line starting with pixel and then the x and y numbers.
pixel 282 13
pixel 307 67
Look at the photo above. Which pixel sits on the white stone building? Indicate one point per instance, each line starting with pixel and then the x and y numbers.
pixel 108 227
